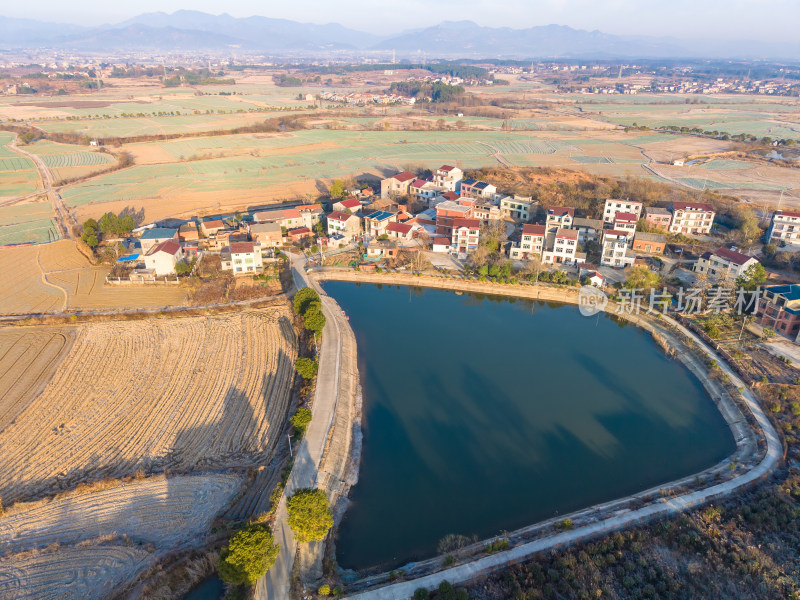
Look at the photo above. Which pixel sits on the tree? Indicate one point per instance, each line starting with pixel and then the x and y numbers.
pixel 89 235
pixel 314 319
pixel 303 299
pixel 641 278
pixel 747 225
pixel 301 419
pixel 753 277
pixel 249 555
pixel 182 268
pixel 769 251
pixel 337 189
pixel 307 367
pixel 309 515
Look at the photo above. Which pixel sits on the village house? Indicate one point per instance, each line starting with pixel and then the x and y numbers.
pixel 784 228
pixel 559 217
pixel 423 190
pixel 446 178
pixel 375 224
pixel 485 211
pixel 591 276
pixel 188 232
pixel 691 217
pixel 295 235
pixel 531 243
pixel 243 258
pixel 400 231
pixel 447 212
pixel 724 264
pixel 162 258
pixel 516 207
pixel 343 226
pixel 779 309
pixel 651 243
pixel 288 218
pixel 614 206
pixel 615 249
pixel 224 237
pixel 382 249
pixel 440 244
pixel 269 235
pixel 562 248
pixel 465 236
pixel 351 204
pixel 625 221
pixel 153 237
pixel 211 226
pixel 472 188
pixel 658 217
pixel 588 229
pixel 397 185
pixel 311 214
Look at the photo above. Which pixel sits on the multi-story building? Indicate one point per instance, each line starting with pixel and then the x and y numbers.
pixel 446 178
pixel 658 217
pixel 269 235
pixel 625 221
pixel 615 249
pixel 651 243
pixel 472 188
pixel 157 235
pixel 784 228
pixel 243 258
pixel 447 212
pixel 588 229
pixel 424 190
pixel 516 207
pixel 559 217
pixel 691 217
pixel 531 243
pixel 465 236
pixel 163 257
pixel 614 206
pixel 343 224
pixel 485 211
pixel 779 309
pixel 375 224
pixel 724 264
pixel 397 185
pixel 564 248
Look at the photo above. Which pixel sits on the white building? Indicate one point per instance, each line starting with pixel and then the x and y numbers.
pixel 465 236
pixel 397 185
pixel 614 206
pixel 724 264
pixel 559 217
pixel 516 207
pixel 625 221
pixel 343 224
pixel 691 217
pixel 446 178
pixel 531 243
pixel 163 257
pixel 243 258
pixel 564 248
pixel 615 249
pixel 784 228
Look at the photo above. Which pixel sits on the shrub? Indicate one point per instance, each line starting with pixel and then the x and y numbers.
pixel 496 546
pixel 324 590
pixel 249 555
pixel 314 320
pixel 301 419
pixel 566 524
pixel 309 515
pixel 421 594
pixel 307 367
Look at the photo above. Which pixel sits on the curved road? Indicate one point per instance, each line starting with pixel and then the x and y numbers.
pixel 665 507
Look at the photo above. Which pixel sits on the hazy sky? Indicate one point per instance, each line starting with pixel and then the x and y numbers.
pixel 764 20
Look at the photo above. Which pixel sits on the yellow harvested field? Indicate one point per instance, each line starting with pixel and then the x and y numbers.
pixel 187 394
pixel 28 358
pixel 56 277
pixel 72 573
pixel 164 511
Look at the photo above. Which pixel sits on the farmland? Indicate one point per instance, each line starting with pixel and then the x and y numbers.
pixel 68 161
pixel 18 174
pixel 185 394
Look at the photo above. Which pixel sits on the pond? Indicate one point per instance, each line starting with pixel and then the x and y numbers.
pixel 486 414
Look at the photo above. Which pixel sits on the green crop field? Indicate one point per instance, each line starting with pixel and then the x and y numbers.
pixel 30 222
pixel 18 174
pixel 722 164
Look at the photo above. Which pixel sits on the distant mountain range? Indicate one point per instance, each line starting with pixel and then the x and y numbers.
pixel 194 31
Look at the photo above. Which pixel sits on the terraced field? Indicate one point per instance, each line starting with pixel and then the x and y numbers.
pixel 164 511
pixel 73 573
pixel 185 394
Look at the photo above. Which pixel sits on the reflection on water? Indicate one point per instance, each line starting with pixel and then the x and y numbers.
pixel 483 414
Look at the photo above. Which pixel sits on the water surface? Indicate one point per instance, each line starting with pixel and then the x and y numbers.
pixel 489 414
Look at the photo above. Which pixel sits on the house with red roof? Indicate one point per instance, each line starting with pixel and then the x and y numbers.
pixel 351 204
pixel 424 190
pixel 559 217
pixel 562 248
pixel 625 221
pixel 465 236
pixel 243 258
pixel 343 227
pixel 692 217
pixel 440 244
pixel 724 264
pixel 163 257
pixel 784 228
pixel 531 243
pixel 397 185
pixel 400 231
pixel 447 178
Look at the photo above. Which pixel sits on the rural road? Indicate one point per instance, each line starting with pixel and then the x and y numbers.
pixel 665 507
pixel 276 584
pixel 47 181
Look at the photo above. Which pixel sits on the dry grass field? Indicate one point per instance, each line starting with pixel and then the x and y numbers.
pixel 57 277
pixel 70 573
pixel 28 358
pixel 186 394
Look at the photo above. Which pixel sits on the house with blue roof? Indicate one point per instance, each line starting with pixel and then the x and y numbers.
pixel 153 237
pixel 779 309
pixel 375 223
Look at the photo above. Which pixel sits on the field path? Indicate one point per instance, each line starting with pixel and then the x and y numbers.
pixel 62 215
pixel 52 285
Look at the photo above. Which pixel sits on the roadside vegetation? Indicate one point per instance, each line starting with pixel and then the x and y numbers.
pixel 310 515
